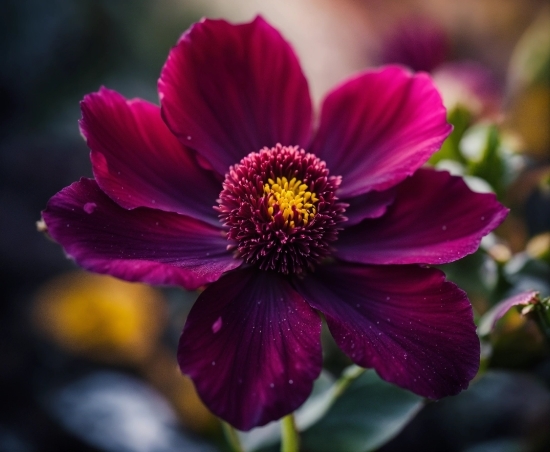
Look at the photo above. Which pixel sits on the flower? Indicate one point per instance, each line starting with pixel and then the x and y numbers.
pixel 102 318
pixel 417 42
pixel 226 186
pixel 422 44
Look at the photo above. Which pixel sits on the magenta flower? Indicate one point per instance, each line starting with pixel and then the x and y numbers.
pixel 423 45
pixel 416 42
pixel 226 186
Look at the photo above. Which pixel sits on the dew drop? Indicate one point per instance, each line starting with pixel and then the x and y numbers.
pixel 271 385
pixel 444 228
pixel 213 363
pixel 188 137
pixel 217 325
pixel 290 382
pixel 89 207
pixel 482 218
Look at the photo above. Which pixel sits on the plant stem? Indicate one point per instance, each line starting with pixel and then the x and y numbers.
pixel 347 378
pixel 232 437
pixel 290 441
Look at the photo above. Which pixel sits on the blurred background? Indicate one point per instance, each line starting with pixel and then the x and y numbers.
pixel 88 363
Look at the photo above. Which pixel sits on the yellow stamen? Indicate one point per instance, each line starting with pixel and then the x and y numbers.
pixel 292 198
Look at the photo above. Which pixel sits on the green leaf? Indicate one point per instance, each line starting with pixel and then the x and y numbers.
pixel 491 165
pixel 368 414
pixel 476 273
pixel 460 119
pixel 526 273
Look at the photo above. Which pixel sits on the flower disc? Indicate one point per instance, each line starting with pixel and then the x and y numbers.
pixel 281 209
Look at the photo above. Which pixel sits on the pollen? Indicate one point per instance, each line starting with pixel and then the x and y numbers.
pixel 292 198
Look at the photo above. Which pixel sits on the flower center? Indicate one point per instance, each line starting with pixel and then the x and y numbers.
pixel 280 208
pixel 292 198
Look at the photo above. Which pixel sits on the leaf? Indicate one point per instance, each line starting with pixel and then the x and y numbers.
pixel 491 166
pixel 526 273
pixel 368 414
pixel 460 119
pixel 476 273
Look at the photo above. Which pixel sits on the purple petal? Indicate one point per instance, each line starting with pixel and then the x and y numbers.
pixel 368 205
pixel 379 127
pixel 412 326
pixel 228 90
pixel 435 219
pixel 145 245
pixel 491 317
pixel 139 163
pixel 252 346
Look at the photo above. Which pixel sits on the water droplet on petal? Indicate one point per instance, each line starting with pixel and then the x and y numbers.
pixel 217 325
pixel 290 382
pixel 89 207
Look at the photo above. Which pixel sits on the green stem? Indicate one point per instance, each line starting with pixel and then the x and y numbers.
pixel 350 374
pixel 290 441
pixel 232 437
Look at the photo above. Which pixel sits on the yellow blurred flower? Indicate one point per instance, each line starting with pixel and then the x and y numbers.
pixel 100 317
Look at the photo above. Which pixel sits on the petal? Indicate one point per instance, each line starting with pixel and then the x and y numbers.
pixel 139 163
pixel 435 219
pixel 489 320
pixel 379 127
pixel 144 244
pixel 412 326
pixel 252 346
pixel 368 205
pixel 228 90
